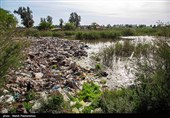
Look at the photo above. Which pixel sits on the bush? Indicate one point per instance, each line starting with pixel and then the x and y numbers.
pixel 58 34
pixel 128 32
pixel 46 33
pixel 32 32
pixel 90 92
pixel 69 26
pixel 119 101
pixel 53 105
pixel 97 35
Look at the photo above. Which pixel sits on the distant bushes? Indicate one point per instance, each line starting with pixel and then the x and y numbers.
pixel 97 35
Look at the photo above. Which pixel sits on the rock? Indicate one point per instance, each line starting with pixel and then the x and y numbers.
pixel 4 110
pixel 38 75
pixel 75 110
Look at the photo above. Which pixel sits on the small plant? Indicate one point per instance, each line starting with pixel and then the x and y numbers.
pixel 53 105
pixel 98 66
pixel 27 106
pixel 30 95
pixel 54 66
pixel 103 81
pixel 90 92
pixel 13 110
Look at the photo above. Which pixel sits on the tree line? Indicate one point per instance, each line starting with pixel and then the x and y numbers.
pixel 46 23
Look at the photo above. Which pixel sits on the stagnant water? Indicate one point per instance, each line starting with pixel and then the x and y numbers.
pixel 122 73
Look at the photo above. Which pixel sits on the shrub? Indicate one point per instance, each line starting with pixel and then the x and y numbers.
pixel 58 34
pixel 46 33
pixel 27 106
pixel 53 105
pixel 128 32
pixel 69 26
pixel 118 101
pixel 90 92
pixel 32 32
pixel 30 95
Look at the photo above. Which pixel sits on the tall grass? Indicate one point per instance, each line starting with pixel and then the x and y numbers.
pixel 152 95
pixel 97 35
pixel 124 49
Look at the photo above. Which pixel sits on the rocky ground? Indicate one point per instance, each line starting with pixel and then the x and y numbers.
pixel 50 66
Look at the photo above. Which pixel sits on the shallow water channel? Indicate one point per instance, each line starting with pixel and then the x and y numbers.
pixel 122 73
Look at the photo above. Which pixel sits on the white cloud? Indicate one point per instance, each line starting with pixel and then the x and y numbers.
pixel 102 11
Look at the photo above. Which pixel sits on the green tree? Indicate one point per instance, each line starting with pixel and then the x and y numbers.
pixel 61 23
pixel 94 25
pixel 7 20
pixel 26 16
pixel 75 19
pixel 69 26
pixel 45 23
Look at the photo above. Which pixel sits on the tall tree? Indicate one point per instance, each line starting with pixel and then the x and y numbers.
pixel 61 23
pixel 49 19
pixel 75 18
pixel 26 16
pixel 45 23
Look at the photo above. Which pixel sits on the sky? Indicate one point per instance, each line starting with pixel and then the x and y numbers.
pixel 102 12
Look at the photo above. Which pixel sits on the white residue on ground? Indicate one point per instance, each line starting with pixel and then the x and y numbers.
pixel 122 73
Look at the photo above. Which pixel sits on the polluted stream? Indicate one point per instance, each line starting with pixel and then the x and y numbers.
pixel 122 73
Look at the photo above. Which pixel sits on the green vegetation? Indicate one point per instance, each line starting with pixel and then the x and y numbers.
pixel 69 26
pixel 27 106
pixel 124 49
pixel 97 35
pixel 45 24
pixel 53 105
pixel 26 16
pixel 31 95
pixel 75 19
pixel 90 93
pixel 10 49
pixel 152 94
